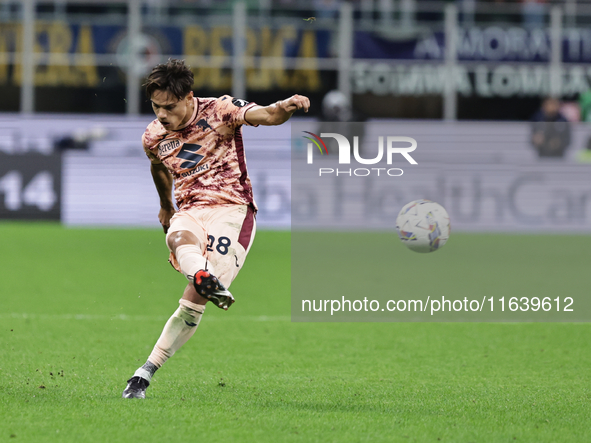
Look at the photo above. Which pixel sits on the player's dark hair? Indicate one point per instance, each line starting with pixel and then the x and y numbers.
pixel 173 76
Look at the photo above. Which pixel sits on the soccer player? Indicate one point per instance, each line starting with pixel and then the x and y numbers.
pixel 197 143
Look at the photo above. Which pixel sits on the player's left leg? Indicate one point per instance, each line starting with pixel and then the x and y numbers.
pixel 185 239
pixel 179 328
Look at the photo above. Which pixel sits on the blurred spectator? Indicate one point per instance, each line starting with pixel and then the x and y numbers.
pixel 338 116
pixel 585 105
pixel 80 139
pixel 550 129
pixel 584 156
pixel 336 107
pixel 571 111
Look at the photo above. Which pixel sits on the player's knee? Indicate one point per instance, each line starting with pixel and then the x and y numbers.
pixel 178 238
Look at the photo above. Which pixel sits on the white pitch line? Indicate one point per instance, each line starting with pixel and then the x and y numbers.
pixel 124 317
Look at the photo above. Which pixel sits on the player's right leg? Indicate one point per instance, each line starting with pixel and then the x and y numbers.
pixel 188 254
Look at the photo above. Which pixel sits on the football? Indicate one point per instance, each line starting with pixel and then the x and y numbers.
pixel 423 225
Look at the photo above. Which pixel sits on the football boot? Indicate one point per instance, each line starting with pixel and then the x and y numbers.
pixel 208 286
pixel 136 388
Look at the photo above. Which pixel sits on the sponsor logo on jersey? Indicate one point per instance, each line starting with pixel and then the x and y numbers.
pixel 168 145
pixel 189 154
pixel 200 168
pixel 239 102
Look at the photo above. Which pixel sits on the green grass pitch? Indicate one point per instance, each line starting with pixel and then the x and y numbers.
pixel 80 310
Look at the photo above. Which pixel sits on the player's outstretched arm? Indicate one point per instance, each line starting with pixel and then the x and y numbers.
pixel 163 181
pixel 277 113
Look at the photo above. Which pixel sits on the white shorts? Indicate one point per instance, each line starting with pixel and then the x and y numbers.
pixel 225 234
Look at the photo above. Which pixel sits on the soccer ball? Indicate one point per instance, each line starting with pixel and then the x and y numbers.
pixel 423 226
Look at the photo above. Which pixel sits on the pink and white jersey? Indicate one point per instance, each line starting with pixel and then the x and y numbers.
pixel 205 156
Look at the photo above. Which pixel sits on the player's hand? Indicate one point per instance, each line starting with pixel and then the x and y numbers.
pixel 164 216
pixel 295 103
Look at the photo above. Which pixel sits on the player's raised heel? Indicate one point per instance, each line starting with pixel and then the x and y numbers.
pixel 136 388
pixel 209 286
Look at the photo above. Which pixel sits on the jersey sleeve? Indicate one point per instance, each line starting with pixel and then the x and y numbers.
pixel 232 110
pixel 149 140
pixel 153 158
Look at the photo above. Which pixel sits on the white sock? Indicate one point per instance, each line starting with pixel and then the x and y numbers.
pixel 146 371
pixel 178 329
pixel 190 260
